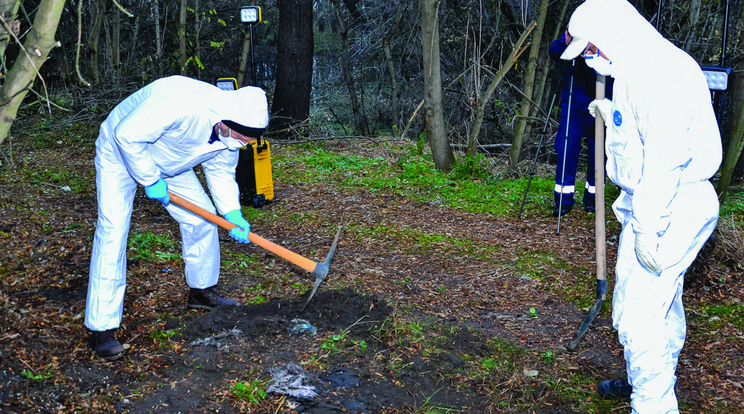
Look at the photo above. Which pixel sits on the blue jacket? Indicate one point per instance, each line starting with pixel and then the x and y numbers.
pixel 584 78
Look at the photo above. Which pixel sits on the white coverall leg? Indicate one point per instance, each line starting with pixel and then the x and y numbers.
pixel 107 282
pixel 648 307
pixel 115 190
pixel 199 237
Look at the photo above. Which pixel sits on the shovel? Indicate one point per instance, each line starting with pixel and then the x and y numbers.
pixel 599 166
pixel 319 270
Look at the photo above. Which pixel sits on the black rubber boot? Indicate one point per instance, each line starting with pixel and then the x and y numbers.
pixel 590 202
pixel 105 345
pixel 565 209
pixel 615 389
pixel 208 299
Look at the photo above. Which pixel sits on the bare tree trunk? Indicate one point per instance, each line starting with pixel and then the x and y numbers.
pixel 158 38
pixel 19 79
pixel 360 121
pixel 244 55
pixel 108 58
pixel 391 66
pixel 135 35
pixel 436 128
pixel 529 85
pixel 481 103
pixel 473 91
pixel 736 139
pixel 69 77
pixel 691 26
pixel 542 77
pixel 736 145
pixel 197 39
pixel 294 67
pixel 9 11
pixel 99 11
pixel 182 36
pixel 115 46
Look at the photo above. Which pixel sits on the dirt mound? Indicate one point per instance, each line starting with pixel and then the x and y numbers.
pixel 327 311
pixel 261 338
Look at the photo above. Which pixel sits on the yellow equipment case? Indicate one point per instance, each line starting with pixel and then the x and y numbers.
pixel 253 174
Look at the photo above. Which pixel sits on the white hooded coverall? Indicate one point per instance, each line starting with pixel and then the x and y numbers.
pixel 163 131
pixel 663 144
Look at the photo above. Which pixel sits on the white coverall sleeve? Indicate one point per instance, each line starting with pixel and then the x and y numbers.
pixel 144 125
pixel 220 173
pixel 663 131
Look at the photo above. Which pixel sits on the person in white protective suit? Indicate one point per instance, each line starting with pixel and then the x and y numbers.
pixel 155 138
pixel 663 145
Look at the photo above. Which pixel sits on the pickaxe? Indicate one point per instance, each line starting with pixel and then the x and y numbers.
pixel 319 270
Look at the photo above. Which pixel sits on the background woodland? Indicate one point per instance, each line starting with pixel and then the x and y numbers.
pixel 341 67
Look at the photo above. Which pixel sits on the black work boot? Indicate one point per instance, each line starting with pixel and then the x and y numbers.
pixel 615 389
pixel 208 299
pixel 105 345
pixel 565 209
pixel 589 203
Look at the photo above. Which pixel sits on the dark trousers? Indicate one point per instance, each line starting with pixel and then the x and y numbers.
pixel 580 127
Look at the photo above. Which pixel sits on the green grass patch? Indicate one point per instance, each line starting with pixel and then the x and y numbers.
pixel 245 262
pixel 343 343
pixel 414 176
pixel 41 376
pixel 258 216
pixel 162 338
pixel 581 391
pixel 77 181
pixel 151 247
pixel 734 207
pixel 251 392
pixel 538 265
pixel 415 241
pixel 505 354
pixel 716 315
pixel 256 294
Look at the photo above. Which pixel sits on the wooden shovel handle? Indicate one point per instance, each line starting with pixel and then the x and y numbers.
pixel 280 251
pixel 599 180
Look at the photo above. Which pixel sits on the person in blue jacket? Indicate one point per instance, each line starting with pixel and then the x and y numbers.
pixel 155 138
pixel 579 85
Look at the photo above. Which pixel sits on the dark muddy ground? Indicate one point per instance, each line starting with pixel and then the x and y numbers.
pixel 403 325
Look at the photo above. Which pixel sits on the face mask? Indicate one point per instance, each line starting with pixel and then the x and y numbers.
pixel 600 65
pixel 231 143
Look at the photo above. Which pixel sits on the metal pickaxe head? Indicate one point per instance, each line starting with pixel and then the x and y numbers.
pixel 321 270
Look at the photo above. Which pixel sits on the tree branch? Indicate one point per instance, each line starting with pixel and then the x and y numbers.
pixel 28 56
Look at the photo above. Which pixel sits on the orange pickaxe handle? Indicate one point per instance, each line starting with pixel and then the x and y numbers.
pixel 280 251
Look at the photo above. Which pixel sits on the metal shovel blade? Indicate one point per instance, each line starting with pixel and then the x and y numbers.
pixel 593 312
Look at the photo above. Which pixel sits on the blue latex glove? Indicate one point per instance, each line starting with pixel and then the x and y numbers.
pixel 158 191
pixel 239 233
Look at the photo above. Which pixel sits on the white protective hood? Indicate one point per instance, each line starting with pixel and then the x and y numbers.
pixel 620 32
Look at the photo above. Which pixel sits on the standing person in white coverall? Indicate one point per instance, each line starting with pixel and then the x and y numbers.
pixel 663 145
pixel 155 138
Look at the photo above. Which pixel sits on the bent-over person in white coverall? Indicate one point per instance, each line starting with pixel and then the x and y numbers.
pixel 155 138
pixel 663 145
